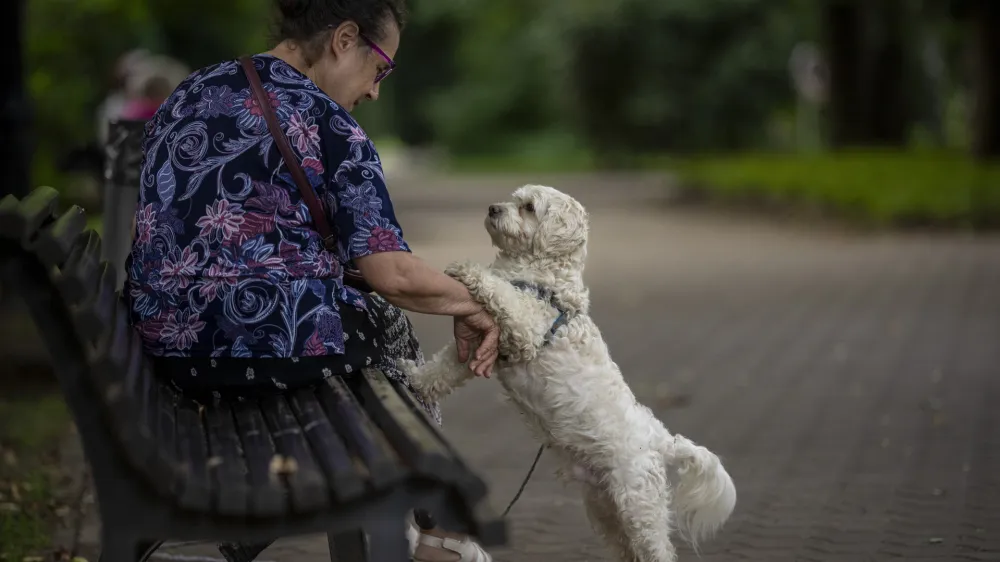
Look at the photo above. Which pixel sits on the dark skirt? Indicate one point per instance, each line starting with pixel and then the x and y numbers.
pixel 373 338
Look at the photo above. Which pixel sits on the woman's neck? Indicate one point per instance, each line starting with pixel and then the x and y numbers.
pixel 291 55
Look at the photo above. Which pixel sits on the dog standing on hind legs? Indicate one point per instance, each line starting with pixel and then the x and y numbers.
pixel 641 483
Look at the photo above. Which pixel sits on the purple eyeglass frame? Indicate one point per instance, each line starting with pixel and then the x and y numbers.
pixel 392 64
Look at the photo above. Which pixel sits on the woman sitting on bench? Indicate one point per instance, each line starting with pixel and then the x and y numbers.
pixel 264 221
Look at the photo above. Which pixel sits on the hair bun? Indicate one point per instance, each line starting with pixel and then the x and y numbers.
pixel 293 8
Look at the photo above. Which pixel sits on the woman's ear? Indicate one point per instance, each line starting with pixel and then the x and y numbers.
pixel 346 37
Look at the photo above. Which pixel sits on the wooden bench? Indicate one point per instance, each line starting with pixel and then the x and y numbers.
pixel 349 459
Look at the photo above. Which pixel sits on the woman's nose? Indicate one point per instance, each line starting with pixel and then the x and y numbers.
pixel 495 210
pixel 373 93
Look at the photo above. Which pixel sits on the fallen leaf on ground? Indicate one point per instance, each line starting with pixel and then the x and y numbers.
pixel 283 465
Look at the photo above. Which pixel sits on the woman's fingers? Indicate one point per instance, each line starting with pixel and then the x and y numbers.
pixel 490 342
pixel 486 356
pixel 463 350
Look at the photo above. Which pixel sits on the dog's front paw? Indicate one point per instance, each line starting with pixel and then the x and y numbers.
pixel 407 366
pixel 413 374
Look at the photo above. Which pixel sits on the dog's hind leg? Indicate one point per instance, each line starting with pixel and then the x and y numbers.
pixel 438 377
pixel 642 498
pixel 603 516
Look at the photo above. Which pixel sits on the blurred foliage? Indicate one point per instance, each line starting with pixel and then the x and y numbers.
pixel 889 188
pixel 69 65
pixel 73 45
pixel 475 76
pixel 681 75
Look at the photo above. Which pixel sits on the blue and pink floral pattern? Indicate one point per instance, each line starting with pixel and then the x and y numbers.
pixel 225 259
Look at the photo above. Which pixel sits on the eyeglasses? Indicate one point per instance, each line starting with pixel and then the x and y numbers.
pixel 392 64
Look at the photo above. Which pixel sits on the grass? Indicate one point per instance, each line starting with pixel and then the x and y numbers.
pixel 30 430
pixel 874 187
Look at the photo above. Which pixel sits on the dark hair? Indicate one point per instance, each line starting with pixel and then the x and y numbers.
pixel 307 22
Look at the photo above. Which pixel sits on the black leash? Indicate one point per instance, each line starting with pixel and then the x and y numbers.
pixel 525 483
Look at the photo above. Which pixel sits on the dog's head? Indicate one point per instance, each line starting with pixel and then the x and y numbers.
pixel 540 223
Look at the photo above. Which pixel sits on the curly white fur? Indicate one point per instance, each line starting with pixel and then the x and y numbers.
pixel 639 481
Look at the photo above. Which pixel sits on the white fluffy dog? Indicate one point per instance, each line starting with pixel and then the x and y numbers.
pixel 639 481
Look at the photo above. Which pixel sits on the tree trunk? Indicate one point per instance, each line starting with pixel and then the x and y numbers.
pixel 15 140
pixel 842 42
pixel 888 107
pixel 868 56
pixel 984 23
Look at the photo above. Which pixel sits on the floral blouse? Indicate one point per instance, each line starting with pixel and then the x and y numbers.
pixel 225 260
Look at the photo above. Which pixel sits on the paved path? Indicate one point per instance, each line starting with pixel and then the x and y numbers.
pixel 851 384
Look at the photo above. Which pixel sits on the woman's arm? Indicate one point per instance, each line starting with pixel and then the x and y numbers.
pixel 409 283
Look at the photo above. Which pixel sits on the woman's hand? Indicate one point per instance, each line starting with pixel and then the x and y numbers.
pixel 478 330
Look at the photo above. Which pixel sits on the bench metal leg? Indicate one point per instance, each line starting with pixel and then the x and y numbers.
pixel 349 546
pixel 121 551
pixel 242 552
pixel 387 543
pixel 146 549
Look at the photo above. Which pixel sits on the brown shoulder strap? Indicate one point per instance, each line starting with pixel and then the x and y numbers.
pixel 294 167
pixel 351 277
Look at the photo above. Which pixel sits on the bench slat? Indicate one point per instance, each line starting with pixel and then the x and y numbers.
pixel 164 404
pixel 418 446
pixel 192 458
pixel 341 472
pixel 305 481
pixel 267 496
pixel 360 433
pixel 32 213
pixel 9 224
pixel 119 352
pixel 147 442
pixel 472 487
pixel 227 466
pixel 94 317
pixel 115 354
pixel 56 239
pixel 79 276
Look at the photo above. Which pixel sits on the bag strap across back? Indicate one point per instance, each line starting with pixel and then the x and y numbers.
pixel 352 278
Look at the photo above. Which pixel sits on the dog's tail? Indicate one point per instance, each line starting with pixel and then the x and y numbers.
pixel 703 492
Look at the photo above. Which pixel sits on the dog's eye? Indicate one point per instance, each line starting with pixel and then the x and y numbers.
pixel 530 207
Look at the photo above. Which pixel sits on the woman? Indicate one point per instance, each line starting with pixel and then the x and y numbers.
pixel 149 85
pixel 228 270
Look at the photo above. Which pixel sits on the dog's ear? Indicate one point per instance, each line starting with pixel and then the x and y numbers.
pixel 562 231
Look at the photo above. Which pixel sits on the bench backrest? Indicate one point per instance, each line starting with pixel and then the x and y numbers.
pixel 59 255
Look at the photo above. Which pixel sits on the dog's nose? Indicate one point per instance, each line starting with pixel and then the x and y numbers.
pixel 495 210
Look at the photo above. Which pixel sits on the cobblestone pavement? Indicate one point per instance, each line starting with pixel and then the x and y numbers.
pixel 849 382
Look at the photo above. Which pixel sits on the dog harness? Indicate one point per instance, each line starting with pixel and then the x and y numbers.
pixel 545 295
